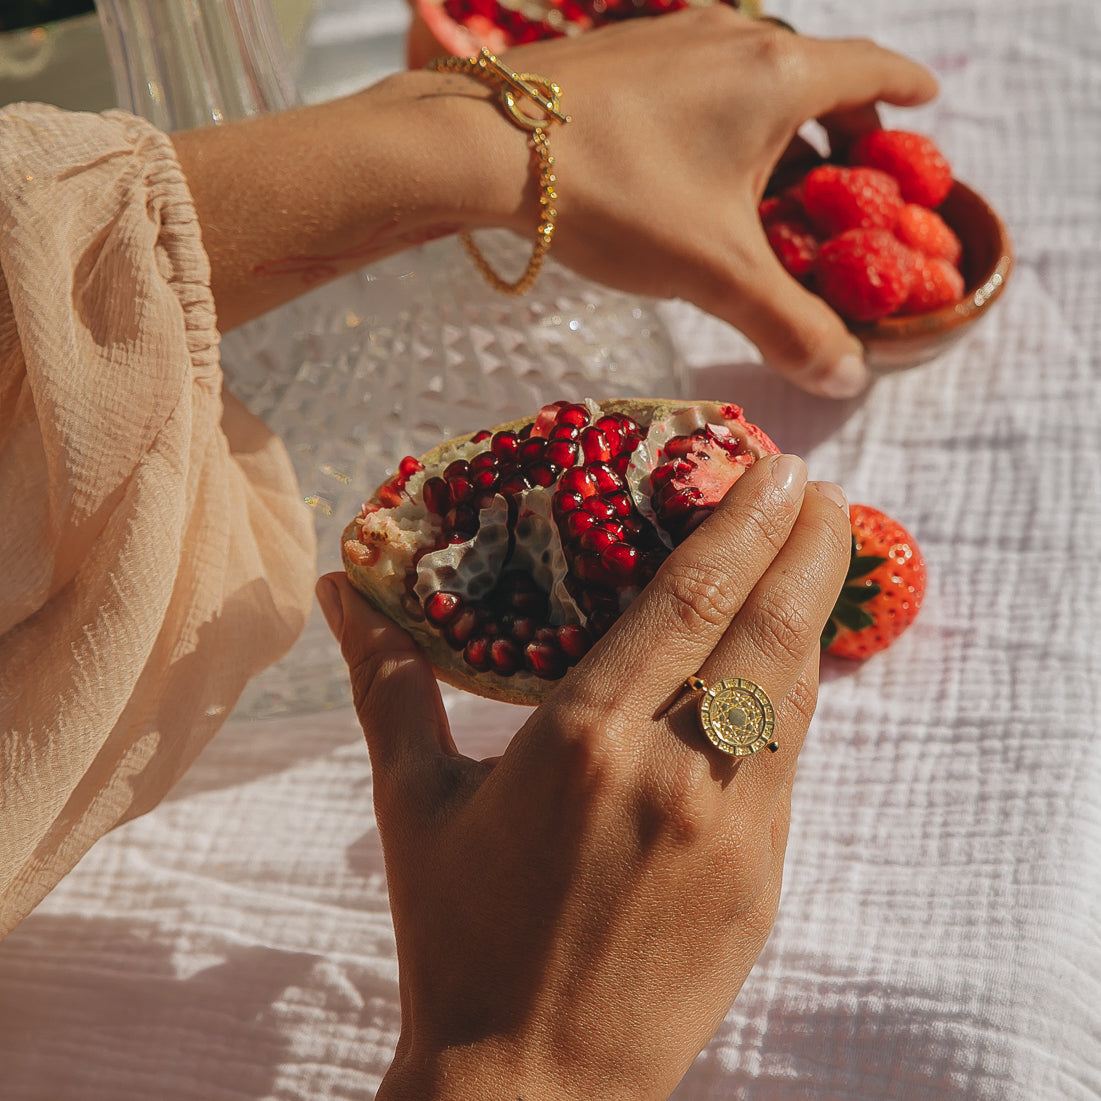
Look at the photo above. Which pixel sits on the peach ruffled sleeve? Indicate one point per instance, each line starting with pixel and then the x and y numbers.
pixel 154 550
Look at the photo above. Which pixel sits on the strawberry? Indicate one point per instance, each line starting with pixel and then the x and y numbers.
pixel 883 590
pixel 937 283
pixel 837 199
pixel 796 245
pixel 925 231
pixel 865 274
pixel 924 175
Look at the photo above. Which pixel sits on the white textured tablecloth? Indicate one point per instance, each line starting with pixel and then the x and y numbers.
pixel 940 932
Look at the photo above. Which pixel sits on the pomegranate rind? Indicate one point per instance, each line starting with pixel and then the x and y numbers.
pixel 376 560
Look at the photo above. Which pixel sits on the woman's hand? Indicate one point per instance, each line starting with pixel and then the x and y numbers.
pixel 677 125
pixel 575 918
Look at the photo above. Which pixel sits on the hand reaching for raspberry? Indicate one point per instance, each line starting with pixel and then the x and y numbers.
pixel 575 918
pixel 660 187
pixel 678 123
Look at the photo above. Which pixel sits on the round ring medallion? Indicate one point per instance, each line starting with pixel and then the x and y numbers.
pixel 737 717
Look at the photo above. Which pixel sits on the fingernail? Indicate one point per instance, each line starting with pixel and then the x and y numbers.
pixel 332 607
pixel 789 472
pixel 848 377
pixel 833 492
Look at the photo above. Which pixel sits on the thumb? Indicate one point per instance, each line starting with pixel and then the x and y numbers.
pixel 797 334
pixel 394 689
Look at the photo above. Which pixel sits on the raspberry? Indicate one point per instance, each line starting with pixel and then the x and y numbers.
pixel 925 231
pixel 937 283
pixel 865 274
pixel 795 244
pixel 785 207
pixel 923 173
pixel 838 199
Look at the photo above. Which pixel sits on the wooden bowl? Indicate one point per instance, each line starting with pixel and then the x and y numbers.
pixel 896 343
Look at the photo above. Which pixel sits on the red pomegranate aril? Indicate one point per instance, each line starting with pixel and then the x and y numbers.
pixel 476 653
pixel 562 452
pixel 437 496
pixel 565 432
pixel 568 501
pixel 530 450
pixel 621 560
pixel 579 522
pixel 442 607
pixel 578 480
pixel 596 539
pixel 574 640
pixel 678 447
pixel 408 467
pixel 505 656
pixel 461 489
pixel 620 500
pixel 543 473
pixel 459 468
pixel 481 436
pixel 514 483
pixel 519 627
pixel 545 421
pixel 459 631
pixel 607 480
pixel 594 446
pixel 668 471
pixel 588 567
pixel 621 462
pixel 484 460
pixel 484 479
pixel 599 508
pixel 613 432
pixel 576 415
pixel 505 444
pixel 545 659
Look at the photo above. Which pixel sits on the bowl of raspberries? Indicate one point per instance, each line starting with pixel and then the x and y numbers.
pixel 907 255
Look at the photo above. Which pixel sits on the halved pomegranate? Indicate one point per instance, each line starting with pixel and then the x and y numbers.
pixel 507 553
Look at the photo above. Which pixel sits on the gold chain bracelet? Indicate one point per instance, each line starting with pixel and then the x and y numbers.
pixel 546 95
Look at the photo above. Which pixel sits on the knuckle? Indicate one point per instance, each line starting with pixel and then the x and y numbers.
pixel 700 595
pixel 769 525
pixel 803 699
pixel 668 810
pixel 780 624
pixel 835 534
pixel 778 52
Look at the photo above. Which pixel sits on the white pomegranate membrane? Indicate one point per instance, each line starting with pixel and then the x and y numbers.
pixel 526 545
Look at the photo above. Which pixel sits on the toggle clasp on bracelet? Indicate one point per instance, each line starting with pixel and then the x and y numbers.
pixel 544 93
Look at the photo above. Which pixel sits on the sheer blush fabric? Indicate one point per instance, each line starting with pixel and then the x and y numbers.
pixel 154 550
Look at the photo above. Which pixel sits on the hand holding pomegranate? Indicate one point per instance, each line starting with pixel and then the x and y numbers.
pixel 575 918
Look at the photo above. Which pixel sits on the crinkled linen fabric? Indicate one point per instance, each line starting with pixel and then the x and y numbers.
pixel 155 552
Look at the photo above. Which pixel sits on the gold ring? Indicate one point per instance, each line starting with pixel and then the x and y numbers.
pixel 736 715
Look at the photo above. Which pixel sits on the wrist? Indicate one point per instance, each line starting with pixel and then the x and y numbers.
pixel 470 167
pixel 499 1070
